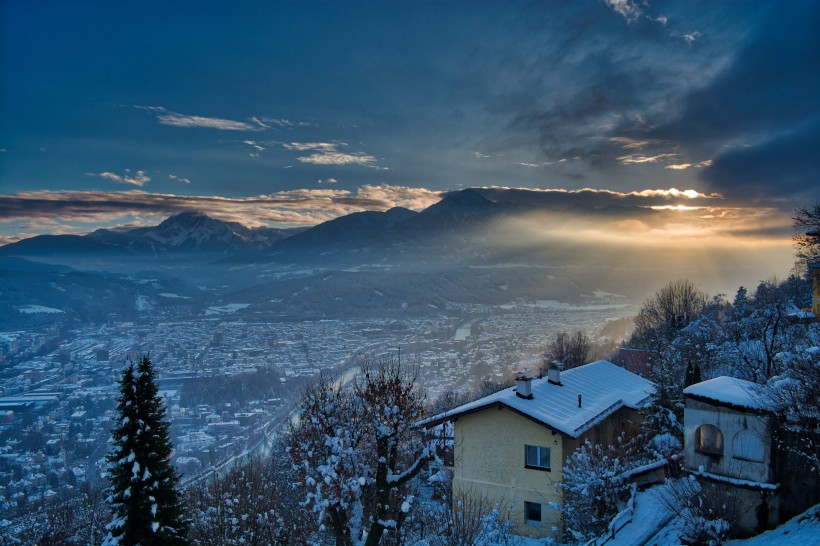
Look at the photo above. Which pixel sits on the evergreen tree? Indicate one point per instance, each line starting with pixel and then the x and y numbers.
pixel 145 503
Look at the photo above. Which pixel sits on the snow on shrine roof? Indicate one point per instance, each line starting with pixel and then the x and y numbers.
pixel 603 386
pixel 731 391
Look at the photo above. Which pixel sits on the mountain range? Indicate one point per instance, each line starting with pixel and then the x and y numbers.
pixel 185 234
pixel 461 250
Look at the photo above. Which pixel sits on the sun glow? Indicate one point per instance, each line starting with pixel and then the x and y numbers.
pixel 676 207
pixel 674 192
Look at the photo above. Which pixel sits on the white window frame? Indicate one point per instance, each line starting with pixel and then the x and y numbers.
pixel 539 456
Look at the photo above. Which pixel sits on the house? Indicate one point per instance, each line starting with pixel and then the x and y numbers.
pixel 729 447
pixel 637 361
pixel 510 446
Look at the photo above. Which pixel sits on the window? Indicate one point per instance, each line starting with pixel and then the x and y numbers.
pixel 532 513
pixel 537 457
pixel 709 440
pixel 748 446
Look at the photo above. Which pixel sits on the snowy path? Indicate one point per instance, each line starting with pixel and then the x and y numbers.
pixel 651 515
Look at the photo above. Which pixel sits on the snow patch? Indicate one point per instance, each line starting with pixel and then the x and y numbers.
pixel 171 295
pixel 31 309
pixel 142 303
pixel 226 309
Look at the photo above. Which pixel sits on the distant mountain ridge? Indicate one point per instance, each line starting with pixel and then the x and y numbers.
pixel 470 247
pixel 461 230
pixel 184 233
pixel 398 233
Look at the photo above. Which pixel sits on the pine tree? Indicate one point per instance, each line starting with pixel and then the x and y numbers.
pixel 145 502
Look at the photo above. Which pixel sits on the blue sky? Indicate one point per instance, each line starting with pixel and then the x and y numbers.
pixel 290 113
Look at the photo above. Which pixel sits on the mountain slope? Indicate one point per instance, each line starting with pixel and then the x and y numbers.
pixel 30 290
pixel 189 235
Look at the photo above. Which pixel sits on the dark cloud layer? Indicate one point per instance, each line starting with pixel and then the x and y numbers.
pixel 758 118
pixel 787 165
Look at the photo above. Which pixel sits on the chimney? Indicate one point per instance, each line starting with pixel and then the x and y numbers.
pixel 554 372
pixel 523 384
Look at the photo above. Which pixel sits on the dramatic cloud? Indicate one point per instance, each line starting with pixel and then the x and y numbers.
pixel 626 8
pixel 175 119
pixel 180 120
pixel 598 99
pixel 339 158
pixel 327 153
pixel 137 179
pixel 307 206
pixel 282 122
pixel 635 144
pixel 787 165
pixel 255 145
pixel 640 158
pixel 179 179
pixel 684 166
pixel 543 164
pixel 91 209
pixel 400 196
pixel 304 146
pixel 629 203
pixel 758 118
pixel 313 193
pixel 719 97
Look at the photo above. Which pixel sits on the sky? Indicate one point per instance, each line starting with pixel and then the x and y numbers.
pixel 293 113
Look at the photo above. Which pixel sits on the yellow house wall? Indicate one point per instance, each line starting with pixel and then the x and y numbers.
pixel 489 460
pixel 489 457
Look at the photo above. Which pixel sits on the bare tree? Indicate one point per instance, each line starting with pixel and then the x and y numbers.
pixel 393 404
pixel 489 387
pixel 706 513
pixel 796 396
pixel 357 450
pixel 666 313
pixel 807 233
pixel 471 518
pixel 253 504
pixel 570 349
pixel 448 400
pixel 79 520
pixel 327 447
pixel 757 329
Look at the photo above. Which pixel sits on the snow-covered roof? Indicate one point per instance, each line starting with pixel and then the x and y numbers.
pixel 603 386
pixel 731 391
pixel 797 313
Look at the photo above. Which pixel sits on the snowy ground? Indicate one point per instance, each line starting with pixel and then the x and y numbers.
pixel 653 525
pixel 803 530
pixel 651 515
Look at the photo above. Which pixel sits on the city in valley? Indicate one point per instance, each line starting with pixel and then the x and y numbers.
pixel 230 380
